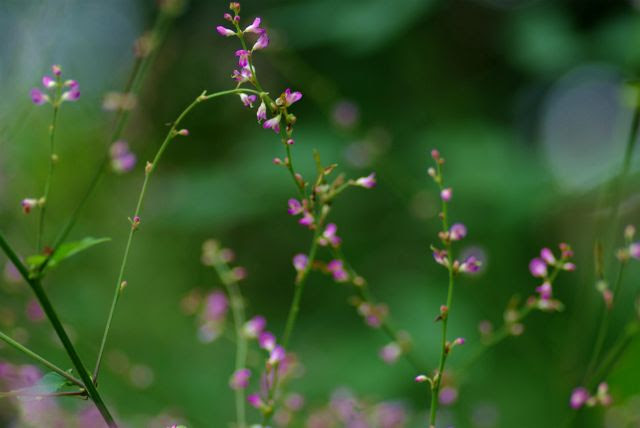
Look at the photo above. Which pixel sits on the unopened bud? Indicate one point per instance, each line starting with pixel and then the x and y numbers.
pixel 183 132
pixel 123 285
pixel 148 167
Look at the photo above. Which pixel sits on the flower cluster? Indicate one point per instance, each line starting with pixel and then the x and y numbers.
pixel 122 159
pixel 54 86
pixel 580 397
pixel 546 267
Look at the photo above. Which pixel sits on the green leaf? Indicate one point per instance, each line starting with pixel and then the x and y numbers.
pixel 48 384
pixel 65 251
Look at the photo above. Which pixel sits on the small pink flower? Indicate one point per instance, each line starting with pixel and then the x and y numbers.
pixel 329 236
pixel 225 31
pixel 56 70
pixel 267 340
pixel 291 97
pixel 457 232
pixel 240 379
pixel 570 267
pixel 254 27
pixel 243 57
pixel 470 265
pixel 336 268
pixel 38 97
pixel 255 400
pixel 295 207
pixel 262 42
pixel 579 396
pixel 421 378
pixel 448 396
pixel 538 268
pixel 48 82
pixel 300 262
pixel 261 113
pixel 547 255
pixel 307 219
pixel 545 290
pixel 440 256
pixel 242 76
pixel 277 354
pixel 71 95
pixel 248 100
pixel 602 394
pixel 254 326
pixel 216 306
pixel 390 353
pixel 273 123
pixel 367 182
pixel 122 160
pixel 446 194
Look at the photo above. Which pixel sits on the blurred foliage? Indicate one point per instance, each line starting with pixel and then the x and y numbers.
pixel 476 79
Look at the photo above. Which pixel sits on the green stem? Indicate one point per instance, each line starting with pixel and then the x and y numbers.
pixel 47 185
pixel 51 314
pixel 28 352
pixel 616 351
pixel 237 309
pixel 148 172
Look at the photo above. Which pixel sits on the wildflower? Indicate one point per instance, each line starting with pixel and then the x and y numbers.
pixel 72 94
pixel 634 250
pixel 243 57
pixel 240 379
pixel 183 132
pixel 242 76
pixel 421 378
pixel 547 255
pixel 261 113
pixel 329 236
pixel 457 232
pixel 367 182
pixel 216 306
pixel 602 394
pixel 38 97
pixel 56 70
pixel 254 326
pixel 337 270
pixel 538 268
pixel 28 204
pixel 448 395
pixel 267 340
pixel 390 353
pixel 248 100
pixel 307 219
pixel 295 207
pixel 300 262
pixel 225 31
pixel 579 397
pixel 254 27
pixel 440 256
pixel 273 123
pixel 262 42
pixel 446 194
pixel 122 160
pixel 545 290
pixel 373 315
pixel 277 354
pixel 49 82
pixel 291 97
pixel 255 400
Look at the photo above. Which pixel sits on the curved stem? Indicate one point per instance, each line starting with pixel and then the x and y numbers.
pixel 28 352
pixel 51 314
pixel 134 226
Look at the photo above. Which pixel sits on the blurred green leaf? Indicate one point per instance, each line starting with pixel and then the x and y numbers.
pixel 65 251
pixel 48 384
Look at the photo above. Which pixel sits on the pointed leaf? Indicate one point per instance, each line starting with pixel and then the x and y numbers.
pixel 65 251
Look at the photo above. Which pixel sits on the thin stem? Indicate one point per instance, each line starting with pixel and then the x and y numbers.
pixel 28 352
pixel 134 226
pixel 616 351
pixel 26 392
pixel 237 309
pixel 52 160
pixel 136 78
pixel 51 314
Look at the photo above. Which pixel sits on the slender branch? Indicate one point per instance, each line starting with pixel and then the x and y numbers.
pixel 40 359
pixel 135 219
pixel 51 314
pixel 237 308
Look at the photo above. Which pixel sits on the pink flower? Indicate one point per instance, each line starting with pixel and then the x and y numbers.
pixel 440 256
pixel 48 82
pixel 329 236
pixel 367 182
pixel 421 378
pixel 277 354
pixel 225 31
pixel 248 100
pixel 295 207
pixel 122 160
pixel 216 306
pixel 243 57
pixel 71 95
pixel 448 396
pixel 446 194
pixel 307 219
pixel 579 396
pixel 242 76
pixel 538 268
pixel 291 97
pixel 255 400
pixel 634 250
pixel 547 255
pixel 273 123
pixel 56 70
pixel 267 340
pixel 457 232
pixel 38 97
pixel 254 326
pixel 300 262
pixel 262 42
pixel 390 353
pixel 28 204
pixel 254 27
pixel 240 379
pixel 470 265
pixel 261 113
pixel 545 290
pixel 337 270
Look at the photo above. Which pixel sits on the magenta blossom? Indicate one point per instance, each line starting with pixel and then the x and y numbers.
pixel 300 262
pixel 548 257
pixel 254 27
pixel 254 326
pixel 28 204
pixel 38 97
pixel 248 100
pixel 49 82
pixel 295 207
pixel 336 268
pixel 545 290
pixel 367 182
pixel 267 340
pixel 634 250
pixel 255 400
pixel 273 123
pixel 329 236
pixel 390 353
pixel 457 232
pixel 470 265
pixel 261 113
pixel 538 268
pixel 262 42
pixel 243 57
pixel 242 76
pixel 225 31
pixel 446 194
pixel 307 219
pixel 216 306
pixel 579 397
pixel 291 97
pixel 277 354
pixel 240 379
pixel 122 160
